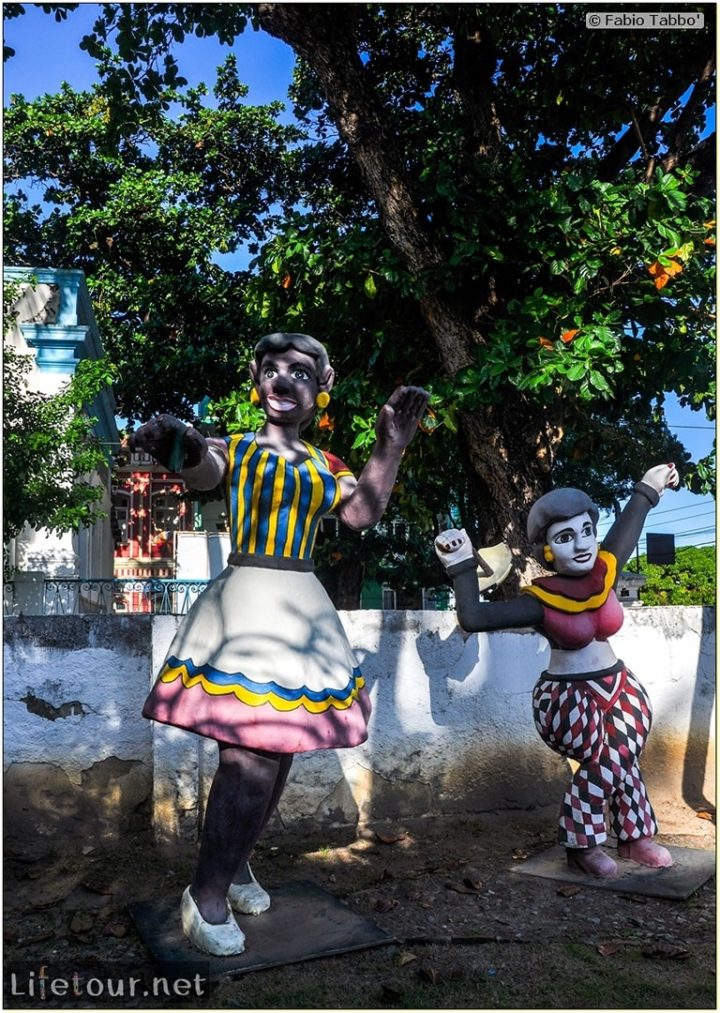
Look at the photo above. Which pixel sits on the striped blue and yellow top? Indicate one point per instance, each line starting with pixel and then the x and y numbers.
pixel 275 507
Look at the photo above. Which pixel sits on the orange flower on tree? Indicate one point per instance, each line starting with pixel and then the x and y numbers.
pixel 569 335
pixel 710 241
pixel 325 422
pixel 546 342
pixel 287 281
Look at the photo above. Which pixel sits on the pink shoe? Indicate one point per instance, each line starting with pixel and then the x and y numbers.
pixel 593 861
pixel 645 851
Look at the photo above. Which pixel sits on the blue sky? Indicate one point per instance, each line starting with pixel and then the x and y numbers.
pixel 48 53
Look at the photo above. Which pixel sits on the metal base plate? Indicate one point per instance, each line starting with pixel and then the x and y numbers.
pixel 692 868
pixel 303 922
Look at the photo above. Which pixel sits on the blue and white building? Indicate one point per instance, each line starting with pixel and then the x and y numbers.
pixel 55 325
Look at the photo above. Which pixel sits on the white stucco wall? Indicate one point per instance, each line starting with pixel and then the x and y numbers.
pixel 451 730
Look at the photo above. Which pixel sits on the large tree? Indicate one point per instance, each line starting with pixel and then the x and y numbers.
pixel 146 203
pixel 497 202
pixel 536 237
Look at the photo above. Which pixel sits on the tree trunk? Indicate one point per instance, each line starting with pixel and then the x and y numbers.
pixel 510 448
pixel 343 582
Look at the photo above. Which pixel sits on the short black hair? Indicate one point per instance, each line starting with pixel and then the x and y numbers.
pixel 280 341
pixel 556 505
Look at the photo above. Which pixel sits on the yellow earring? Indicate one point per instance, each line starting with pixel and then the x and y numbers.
pixel 548 554
pixel 254 397
pixel 322 400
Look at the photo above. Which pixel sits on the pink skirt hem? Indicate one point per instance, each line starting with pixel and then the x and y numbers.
pixel 227 719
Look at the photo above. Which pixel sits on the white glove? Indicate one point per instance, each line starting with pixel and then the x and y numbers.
pixel 662 476
pixel 453 546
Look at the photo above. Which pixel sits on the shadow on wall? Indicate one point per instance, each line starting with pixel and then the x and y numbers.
pixel 677 762
pixel 697 749
pixel 451 731
pixel 41 802
pixel 78 762
pixel 452 728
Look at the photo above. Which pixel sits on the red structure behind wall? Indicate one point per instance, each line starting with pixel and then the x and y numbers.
pixel 147 512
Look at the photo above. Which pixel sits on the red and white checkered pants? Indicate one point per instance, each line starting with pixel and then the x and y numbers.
pixel 602 724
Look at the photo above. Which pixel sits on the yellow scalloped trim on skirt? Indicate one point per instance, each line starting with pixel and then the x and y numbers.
pixel 246 696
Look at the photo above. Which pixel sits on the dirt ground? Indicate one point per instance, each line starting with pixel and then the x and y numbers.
pixel 471 933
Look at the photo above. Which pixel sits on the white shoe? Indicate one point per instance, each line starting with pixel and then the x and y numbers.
pixel 220 940
pixel 248 898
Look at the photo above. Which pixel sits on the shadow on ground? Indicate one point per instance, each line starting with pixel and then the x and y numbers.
pixel 470 933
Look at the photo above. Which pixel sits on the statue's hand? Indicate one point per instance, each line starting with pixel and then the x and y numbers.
pixel 453 546
pixel 173 443
pixel 398 419
pixel 662 476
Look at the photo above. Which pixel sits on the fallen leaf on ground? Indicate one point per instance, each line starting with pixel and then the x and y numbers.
pixel 390 838
pixel 668 951
pixel 96 884
pixel 463 887
pixel 385 904
pixel 607 949
pixel 519 855
pixel 81 922
pixel 429 974
pixel 475 884
pixel 568 891
pixel 405 958
pixel 39 937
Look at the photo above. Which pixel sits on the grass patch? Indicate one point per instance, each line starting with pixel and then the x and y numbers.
pixel 569 975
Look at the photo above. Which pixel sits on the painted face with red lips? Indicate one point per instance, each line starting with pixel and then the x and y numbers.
pixel 574 545
pixel 288 385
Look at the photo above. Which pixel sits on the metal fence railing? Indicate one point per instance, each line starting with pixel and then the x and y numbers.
pixel 121 595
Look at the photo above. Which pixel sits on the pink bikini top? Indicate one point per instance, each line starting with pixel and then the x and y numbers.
pixel 578 610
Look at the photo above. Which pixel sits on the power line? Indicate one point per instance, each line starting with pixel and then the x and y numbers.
pixel 674 510
pixel 683 531
pixel 693 543
pixel 695 531
pixel 610 520
pixel 704 513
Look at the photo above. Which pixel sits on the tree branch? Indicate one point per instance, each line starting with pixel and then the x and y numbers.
pixel 472 78
pixel 702 158
pixel 699 92
pixel 323 35
pixel 647 126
